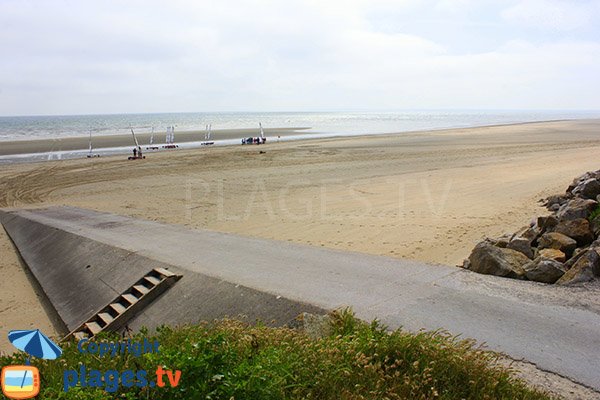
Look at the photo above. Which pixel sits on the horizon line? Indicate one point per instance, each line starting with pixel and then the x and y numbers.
pixel 383 110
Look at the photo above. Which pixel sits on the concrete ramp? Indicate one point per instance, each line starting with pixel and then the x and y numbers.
pixel 225 274
pixel 81 275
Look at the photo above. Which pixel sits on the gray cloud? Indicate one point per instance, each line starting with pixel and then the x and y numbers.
pixel 147 56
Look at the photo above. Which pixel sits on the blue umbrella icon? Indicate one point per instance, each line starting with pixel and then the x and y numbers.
pixel 34 343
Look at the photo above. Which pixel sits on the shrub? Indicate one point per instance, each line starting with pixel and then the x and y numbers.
pixel 228 359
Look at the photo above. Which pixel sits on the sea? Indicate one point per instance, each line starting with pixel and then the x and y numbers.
pixel 320 124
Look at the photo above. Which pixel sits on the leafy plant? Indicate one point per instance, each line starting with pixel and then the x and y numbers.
pixel 595 214
pixel 228 359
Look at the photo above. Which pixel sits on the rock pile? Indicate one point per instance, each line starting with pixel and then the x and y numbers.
pixel 562 248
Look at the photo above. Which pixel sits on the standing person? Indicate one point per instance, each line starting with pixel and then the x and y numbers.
pixel 134 152
pixel 140 152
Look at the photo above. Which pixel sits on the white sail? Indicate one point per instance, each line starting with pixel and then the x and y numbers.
pixel 135 139
pixel 209 131
pixel 90 152
pixel 262 133
pixel 152 136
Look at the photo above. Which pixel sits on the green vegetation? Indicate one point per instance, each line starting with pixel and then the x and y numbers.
pixel 595 214
pixel 228 359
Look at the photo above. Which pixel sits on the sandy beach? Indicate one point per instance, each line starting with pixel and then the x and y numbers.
pixel 428 196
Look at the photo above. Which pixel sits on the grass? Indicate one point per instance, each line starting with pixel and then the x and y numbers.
pixel 228 359
pixel 595 214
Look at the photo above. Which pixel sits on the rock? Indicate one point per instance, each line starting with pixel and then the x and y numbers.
pixel 584 270
pixel 555 240
pixel 596 265
pixel 557 199
pixel 580 251
pixel 528 232
pixel 595 226
pixel 491 260
pixel 576 208
pixel 547 222
pixel 595 248
pixel 575 186
pixel 522 245
pixel 553 254
pixel 588 189
pixel 502 241
pixel 552 244
pixel 578 229
pixel 544 270
pixel 314 325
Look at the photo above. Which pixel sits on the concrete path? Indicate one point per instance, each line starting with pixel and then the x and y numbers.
pixel 522 319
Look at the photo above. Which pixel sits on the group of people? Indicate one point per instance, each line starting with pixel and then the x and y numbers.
pixel 255 140
pixel 137 152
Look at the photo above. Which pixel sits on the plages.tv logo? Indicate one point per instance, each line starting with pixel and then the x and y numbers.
pixel 23 381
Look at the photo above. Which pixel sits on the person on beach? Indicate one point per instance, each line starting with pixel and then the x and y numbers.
pixel 134 152
pixel 140 152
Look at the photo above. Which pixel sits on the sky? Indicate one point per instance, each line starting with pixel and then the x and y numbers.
pixel 134 56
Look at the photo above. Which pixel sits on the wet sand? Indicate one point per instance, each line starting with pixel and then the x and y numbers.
pixel 109 141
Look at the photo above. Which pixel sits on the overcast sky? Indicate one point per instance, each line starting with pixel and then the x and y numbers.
pixel 78 57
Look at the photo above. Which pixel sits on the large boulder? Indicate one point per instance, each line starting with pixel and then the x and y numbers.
pixel 556 240
pixel 580 251
pixel 491 260
pixel 576 185
pixel 588 189
pixel 584 270
pixel 578 229
pixel 522 245
pixel 576 208
pixel 547 222
pixel 553 254
pixel 544 270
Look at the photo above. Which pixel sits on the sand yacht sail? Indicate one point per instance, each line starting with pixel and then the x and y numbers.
pixel 90 153
pixel 170 138
pixel 207 135
pixel 137 151
pixel 151 145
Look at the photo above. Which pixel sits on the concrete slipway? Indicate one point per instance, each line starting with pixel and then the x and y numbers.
pixel 83 259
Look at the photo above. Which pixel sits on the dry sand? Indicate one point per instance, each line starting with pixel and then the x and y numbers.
pixel 429 196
